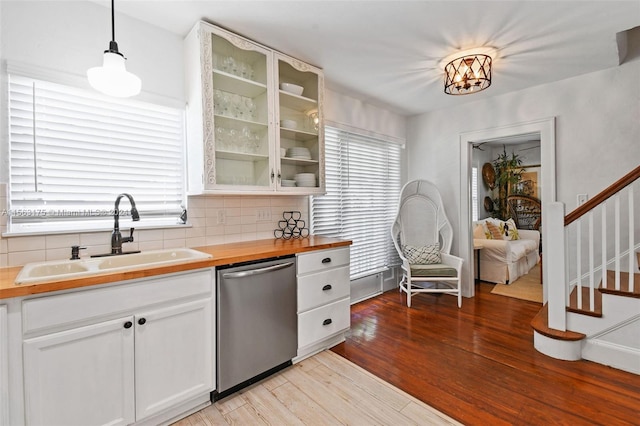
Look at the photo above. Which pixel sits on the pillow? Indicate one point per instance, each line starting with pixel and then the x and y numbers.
pixel 510 231
pixel 494 231
pixel 422 255
pixel 478 232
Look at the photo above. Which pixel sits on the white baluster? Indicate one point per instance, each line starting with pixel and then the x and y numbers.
pixel 591 266
pixel 631 242
pixel 617 241
pixel 604 244
pixel 579 261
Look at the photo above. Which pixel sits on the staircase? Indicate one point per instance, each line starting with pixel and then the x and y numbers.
pixel 593 294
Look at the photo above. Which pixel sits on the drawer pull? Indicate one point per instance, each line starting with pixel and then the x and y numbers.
pixel 327 287
pixel 327 321
pixel 142 321
pixel 326 260
pixel 128 324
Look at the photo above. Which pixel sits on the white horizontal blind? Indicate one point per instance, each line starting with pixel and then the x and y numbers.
pixel 363 184
pixel 73 151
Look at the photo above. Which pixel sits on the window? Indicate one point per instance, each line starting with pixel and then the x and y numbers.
pixel 73 151
pixel 363 185
pixel 474 194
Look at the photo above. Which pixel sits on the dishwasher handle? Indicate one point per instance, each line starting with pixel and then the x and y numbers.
pixel 251 272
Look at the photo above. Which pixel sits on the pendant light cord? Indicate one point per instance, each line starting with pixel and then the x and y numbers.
pixel 113 22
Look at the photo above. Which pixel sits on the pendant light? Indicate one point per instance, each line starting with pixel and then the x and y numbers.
pixel 112 78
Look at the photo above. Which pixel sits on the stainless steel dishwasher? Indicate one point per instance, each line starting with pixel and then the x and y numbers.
pixel 257 323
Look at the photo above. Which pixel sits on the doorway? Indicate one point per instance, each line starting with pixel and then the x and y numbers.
pixel 545 129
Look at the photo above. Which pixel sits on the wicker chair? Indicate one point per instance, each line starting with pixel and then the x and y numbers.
pixel 526 211
pixel 421 221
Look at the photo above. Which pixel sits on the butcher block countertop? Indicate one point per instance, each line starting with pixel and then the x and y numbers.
pixel 223 254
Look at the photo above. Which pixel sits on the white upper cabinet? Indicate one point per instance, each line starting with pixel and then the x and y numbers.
pixel 244 133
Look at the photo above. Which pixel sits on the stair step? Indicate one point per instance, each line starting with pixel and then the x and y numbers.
pixel 585 310
pixel 624 285
pixel 540 323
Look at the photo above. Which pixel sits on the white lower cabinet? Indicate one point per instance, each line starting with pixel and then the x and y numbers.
pixel 174 357
pixel 323 299
pixel 155 355
pixel 4 367
pixel 82 376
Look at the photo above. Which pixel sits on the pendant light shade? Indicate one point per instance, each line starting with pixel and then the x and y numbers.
pixel 112 78
pixel 467 74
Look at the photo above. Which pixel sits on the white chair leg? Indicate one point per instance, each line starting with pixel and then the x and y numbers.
pixel 408 296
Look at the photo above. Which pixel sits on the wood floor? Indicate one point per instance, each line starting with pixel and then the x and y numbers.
pixel 478 365
pixel 325 389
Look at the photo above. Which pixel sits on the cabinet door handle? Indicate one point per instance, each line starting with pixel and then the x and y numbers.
pixel 327 321
pixel 128 324
pixel 326 287
pixel 326 260
pixel 142 321
pixel 272 175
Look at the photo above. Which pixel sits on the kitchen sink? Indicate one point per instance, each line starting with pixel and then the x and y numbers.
pixel 68 269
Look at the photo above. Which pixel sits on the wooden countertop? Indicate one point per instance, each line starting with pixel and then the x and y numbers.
pixel 223 254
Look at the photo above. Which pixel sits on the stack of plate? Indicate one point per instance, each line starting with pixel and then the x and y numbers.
pixel 306 179
pixel 299 152
pixel 288 182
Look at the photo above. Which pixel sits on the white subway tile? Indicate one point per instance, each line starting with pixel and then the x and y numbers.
pixel 248 236
pixel 151 245
pixel 264 235
pixel 214 230
pixel 233 238
pixel 62 240
pixel 230 202
pixel 249 219
pixel 95 238
pixel 211 222
pixel 26 243
pixel 145 235
pixel 233 212
pixel 97 249
pixel 212 240
pixel 232 229
pixel 4 246
pixel 4 260
pixel 173 234
pixel 196 203
pixel 248 228
pixel 177 243
pixel 19 258
pixel 195 232
pixel 212 202
pixel 58 254
pixel 196 212
pixel 196 241
pixel 232 220
pixel 266 226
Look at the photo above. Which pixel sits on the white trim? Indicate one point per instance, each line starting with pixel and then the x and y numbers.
pixel 546 128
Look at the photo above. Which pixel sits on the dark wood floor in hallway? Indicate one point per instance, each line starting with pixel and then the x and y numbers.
pixel 477 364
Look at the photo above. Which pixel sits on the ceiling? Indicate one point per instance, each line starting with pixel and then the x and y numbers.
pixel 388 53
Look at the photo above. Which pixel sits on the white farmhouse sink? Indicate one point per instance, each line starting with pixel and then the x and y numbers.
pixel 68 269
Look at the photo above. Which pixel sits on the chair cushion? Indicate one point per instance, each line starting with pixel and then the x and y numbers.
pixel 438 270
pixel 422 255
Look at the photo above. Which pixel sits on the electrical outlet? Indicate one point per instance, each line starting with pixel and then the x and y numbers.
pixel 582 198
pixel 263 215
pixel 221 217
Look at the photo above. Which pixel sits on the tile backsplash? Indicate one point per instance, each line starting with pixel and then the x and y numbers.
pixel 213 219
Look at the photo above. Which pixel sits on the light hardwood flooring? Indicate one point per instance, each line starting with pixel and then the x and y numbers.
pixel 325 389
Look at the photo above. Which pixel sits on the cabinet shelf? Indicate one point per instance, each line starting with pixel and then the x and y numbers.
pixel 298 161
pixel 297 135
pixel 240 156
pixel 237 85
pixel 238 123
pixel 300 103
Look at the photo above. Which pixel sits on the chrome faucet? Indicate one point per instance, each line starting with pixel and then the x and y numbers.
pixel 116 236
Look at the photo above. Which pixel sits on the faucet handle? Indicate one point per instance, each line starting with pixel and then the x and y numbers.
pixel 130 239
pixel 75 252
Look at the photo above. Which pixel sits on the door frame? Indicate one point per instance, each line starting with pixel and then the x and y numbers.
pixel 545 127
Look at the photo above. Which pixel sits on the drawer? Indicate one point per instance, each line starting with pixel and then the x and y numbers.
pixel 322 322
pixel 323 287
pixel 85 306
pixel 322 260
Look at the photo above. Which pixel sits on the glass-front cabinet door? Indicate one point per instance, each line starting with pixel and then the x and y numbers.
pixel 254 117
pixel 300 140
pixel 240 151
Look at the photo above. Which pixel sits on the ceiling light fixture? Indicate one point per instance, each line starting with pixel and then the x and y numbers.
pixel 468 71
pixel 112 78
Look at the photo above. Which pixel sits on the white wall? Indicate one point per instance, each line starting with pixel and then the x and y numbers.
pixel 597 133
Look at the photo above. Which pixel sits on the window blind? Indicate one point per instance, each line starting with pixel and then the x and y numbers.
pixel 72 151
pixel 363 184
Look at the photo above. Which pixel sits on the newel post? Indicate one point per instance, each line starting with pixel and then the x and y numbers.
pixel 554 259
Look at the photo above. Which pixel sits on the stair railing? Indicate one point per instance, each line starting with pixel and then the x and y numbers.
pixel 589 241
